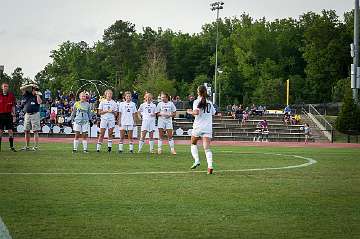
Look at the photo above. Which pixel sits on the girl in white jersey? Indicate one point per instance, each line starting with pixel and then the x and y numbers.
pixel 147 112
pixel 127 112
pixel 165 111
pixel 203 110
pixel 108 110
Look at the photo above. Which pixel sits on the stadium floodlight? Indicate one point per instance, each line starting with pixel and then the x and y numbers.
pixel 216 6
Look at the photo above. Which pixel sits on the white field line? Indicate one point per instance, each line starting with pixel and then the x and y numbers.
pixel 309 162
pixel 4 233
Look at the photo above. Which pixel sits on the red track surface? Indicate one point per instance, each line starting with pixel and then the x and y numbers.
pixel 223 143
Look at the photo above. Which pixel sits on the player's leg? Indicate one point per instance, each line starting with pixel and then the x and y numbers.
pixel 142 140
pixel 10 126
pixel 76 141
pixel 121 143
pixel 195 151
pixel 131 141
pixel 84 141
pixel 151 141
pixel 161 136
pixel 11 139
pixel 209 157
pixel 100 139
pixel 110 137
pixel 169 133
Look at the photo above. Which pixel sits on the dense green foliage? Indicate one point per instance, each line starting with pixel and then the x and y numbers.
pixel 256 57
pixel 319 201
pixel 348 121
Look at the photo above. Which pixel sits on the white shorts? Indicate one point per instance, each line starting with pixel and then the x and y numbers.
pixel 107 124
pixel 148 125
pixel 200 133
pixel 127 127
pixel 82 128
pixel 165 124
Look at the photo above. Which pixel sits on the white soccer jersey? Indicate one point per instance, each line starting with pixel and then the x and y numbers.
pixel 168 108
pixel 107 105
pixel 203 121
pixel 146 110
pixel 127 110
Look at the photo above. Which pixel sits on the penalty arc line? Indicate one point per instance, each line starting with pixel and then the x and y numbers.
pixel 4 233
pixel 309 162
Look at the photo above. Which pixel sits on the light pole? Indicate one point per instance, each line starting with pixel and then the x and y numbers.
pixel 216 6
pixel 220 72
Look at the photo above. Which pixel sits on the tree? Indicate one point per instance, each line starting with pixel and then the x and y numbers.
pixel 348 121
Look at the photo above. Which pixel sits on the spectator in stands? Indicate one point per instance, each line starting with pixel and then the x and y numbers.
pixel 297 119
pixel 238 113
pixel 135 97
pixel 253 109
pixel 287 110
pixel 245 117
pixel 264 131
pixel 287 118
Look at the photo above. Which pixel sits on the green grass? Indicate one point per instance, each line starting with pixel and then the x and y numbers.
pixel 319 201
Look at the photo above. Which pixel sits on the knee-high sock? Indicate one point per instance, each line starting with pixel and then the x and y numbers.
pixel 109 143
pixel 159 144
pixel 76 144
pixel 151 145
pixel 209 158
pixel 121 146
pixel 131 146
pixel 85 144
pixel 141 144
pixel 98 146
pixel 195 153
pixel 171 143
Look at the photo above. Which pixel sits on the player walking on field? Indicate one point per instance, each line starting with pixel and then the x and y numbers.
pixel 108 109
pixel 203 110
pixel 7 114
pixel 127 112
pixel 80 116
pixel 165 110
pixel 147 112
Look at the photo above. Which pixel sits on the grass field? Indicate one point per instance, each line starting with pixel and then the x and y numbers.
pixel 318 201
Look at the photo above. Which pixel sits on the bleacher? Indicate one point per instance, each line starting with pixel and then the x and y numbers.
pixel 227 128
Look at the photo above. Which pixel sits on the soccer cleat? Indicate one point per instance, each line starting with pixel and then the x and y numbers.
pixel 159 151
pixel 173 152
pixel 98 151
pixel 74 151
pixel 120 151
pixel 12 149
pixel 131 151
pixel 109 149
pixel 85 151
pixel 195 165
pixel 210 171
pixel 35 148
pixel 25 148
pixel 152 151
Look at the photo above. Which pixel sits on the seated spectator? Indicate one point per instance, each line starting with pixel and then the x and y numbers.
pixel 287 110
pixel 253 109
pixel 286 118
pixel 245 117
pixel 297 119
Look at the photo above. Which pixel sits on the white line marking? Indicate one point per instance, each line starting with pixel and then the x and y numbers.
pixel 309 162
pixel 4 233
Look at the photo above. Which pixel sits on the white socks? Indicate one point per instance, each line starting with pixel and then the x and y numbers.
pixel 209 158
pixel 141 144
pixel 131 145
pixel 195 153
pixel 151 142
pixel 121 146
pixel 98 146
pixel 109 143
pixel 85 145
pixel 171 144
pixel 76 144
pixel 159 144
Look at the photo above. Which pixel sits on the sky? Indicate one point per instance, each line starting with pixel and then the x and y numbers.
pixel 30 29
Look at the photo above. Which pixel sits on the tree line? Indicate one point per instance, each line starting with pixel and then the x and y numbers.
pixel 256 57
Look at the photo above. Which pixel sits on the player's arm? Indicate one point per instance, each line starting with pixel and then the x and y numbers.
pixel 101 110
pixel 195 110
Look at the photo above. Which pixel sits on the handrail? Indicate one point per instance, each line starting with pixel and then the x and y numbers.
pixel 326 123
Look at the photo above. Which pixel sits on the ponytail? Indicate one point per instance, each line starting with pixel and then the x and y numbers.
pixel 203 94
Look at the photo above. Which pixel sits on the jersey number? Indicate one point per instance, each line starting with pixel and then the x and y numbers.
pixel 207 108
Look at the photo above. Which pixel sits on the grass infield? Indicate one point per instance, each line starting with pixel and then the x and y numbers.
pixel 318 201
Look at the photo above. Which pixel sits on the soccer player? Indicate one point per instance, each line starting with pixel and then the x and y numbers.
pixel 165 111
pixel 127 112
pixel 203 110
pixel 7 114
pixel 147 112
pixel 81 116
pixel 108 109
